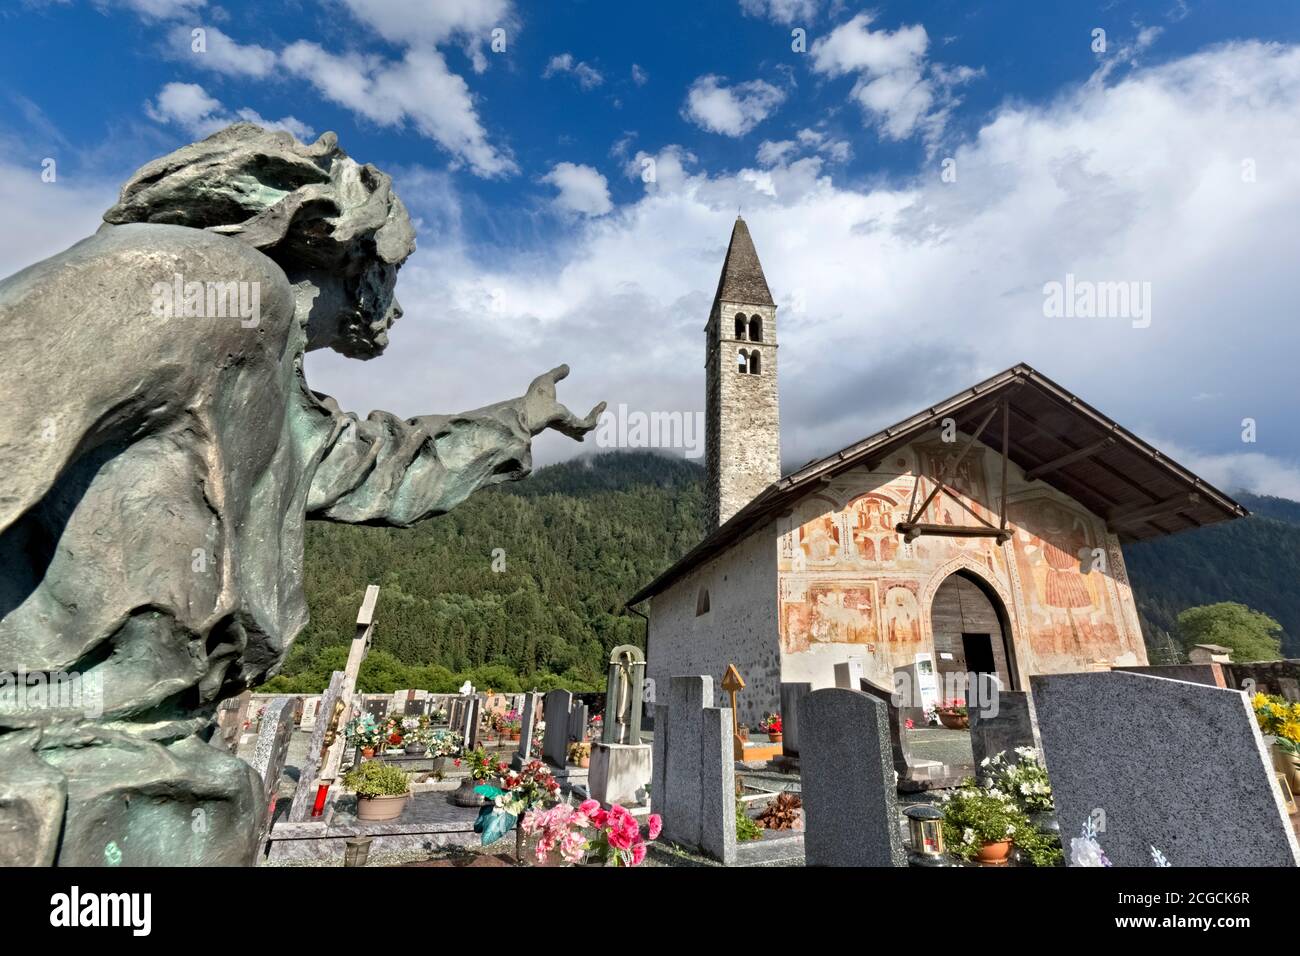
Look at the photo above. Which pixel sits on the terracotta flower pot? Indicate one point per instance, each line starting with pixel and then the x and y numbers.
pixel 994 854
pixel 380 809
pixel 367 751
pixel 514 734
pixel 775 737
pixel 955 721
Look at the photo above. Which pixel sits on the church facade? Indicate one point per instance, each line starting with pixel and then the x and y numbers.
pixel 982 535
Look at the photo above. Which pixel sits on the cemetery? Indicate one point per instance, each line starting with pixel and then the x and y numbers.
pixel 1084 769
pixel 827 680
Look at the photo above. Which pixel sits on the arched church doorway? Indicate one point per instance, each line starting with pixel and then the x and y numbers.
pixel 972 636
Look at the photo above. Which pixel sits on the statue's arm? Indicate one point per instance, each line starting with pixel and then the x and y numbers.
pixel 386 470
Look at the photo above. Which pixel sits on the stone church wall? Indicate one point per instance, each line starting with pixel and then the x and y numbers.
pixel 740 626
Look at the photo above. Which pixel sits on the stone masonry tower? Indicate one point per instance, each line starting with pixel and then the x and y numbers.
pixel 743 428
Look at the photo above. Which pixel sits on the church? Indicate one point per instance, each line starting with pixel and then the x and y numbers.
pixel 980 535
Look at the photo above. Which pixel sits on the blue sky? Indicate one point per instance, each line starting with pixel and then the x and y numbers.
pixel 541 241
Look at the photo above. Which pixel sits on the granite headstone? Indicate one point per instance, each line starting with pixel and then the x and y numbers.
pixel 1177 766
pixel 847 777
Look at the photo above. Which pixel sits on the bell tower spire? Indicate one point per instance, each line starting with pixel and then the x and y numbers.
pixel 743 433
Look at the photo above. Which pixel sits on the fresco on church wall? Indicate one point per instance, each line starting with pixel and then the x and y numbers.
pixel 848 581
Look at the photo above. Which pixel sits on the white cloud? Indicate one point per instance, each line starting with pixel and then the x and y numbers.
pixel 418 89
pixel 221 54
pixel 432 22
pixel 43 218
pixel 588 76
pixel 781 11
pixel 639 76
pixel 1137 180
pixel 190 107
pixel 582 189
pixel 156 9
pixel 731 111
pixel 896 86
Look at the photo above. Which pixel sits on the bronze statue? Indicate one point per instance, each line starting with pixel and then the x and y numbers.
pixel 160 452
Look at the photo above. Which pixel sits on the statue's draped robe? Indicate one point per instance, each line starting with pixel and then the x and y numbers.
pixel 157 472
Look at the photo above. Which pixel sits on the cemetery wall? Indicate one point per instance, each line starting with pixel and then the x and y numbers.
pixel 739 627
pixel 850 587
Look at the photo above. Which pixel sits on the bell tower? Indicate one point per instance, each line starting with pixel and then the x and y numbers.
pixel 743 428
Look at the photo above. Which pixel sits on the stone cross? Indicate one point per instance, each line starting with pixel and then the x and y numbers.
pixel 623 687
pixel 733 684
pixel 269 754
pixel 847 778
pixel 328 742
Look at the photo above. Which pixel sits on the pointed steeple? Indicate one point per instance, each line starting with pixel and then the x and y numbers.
pixel 742 278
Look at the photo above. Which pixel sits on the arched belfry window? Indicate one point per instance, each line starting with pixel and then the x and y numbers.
pixel 740 327
pixel 755 328
pixel 755 365
pixel 702 602
pixel 742 361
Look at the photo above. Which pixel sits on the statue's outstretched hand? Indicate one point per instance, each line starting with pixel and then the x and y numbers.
pixel 541 411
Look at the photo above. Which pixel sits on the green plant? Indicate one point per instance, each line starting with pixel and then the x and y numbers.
pixel 579 751
pixel 374 778
pixel 974 817
pixel 1038 848
pixel 1025 779
pixel 746 829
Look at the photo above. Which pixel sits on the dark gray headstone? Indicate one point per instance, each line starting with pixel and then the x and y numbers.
pixel 1173 765
pixel 555 743
pixel 1011 727
pixel 527 722
pixel 847 777
pixel 270 751
pixel 791 695
pixel 578 721
pixel 894 726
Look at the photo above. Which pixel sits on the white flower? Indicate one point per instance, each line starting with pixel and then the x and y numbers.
pixel 985 762
pixel 1085 851
pixel 968 835
pixel 1010 829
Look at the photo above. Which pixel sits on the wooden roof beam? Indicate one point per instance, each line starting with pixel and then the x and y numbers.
pixel 1122 517
pixel 1087 451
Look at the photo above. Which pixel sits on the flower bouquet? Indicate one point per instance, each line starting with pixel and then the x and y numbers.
pixel 772 726
pixel 601 837
pixel 520 790
pixel 1280 718
pixel 364 731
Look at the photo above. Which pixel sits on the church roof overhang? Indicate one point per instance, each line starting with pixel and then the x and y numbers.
pixel 1054 436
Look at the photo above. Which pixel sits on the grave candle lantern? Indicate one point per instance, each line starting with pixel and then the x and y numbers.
pixel 926 826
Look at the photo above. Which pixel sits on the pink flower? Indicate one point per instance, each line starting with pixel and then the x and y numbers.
pixel 589 807
pixel 656 825
pixel 638 854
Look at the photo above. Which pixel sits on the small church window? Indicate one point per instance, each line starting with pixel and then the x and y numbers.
pixel 755 366
pixel 742 361
pixel 755 328
pixel 740 327
pixel 702 602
